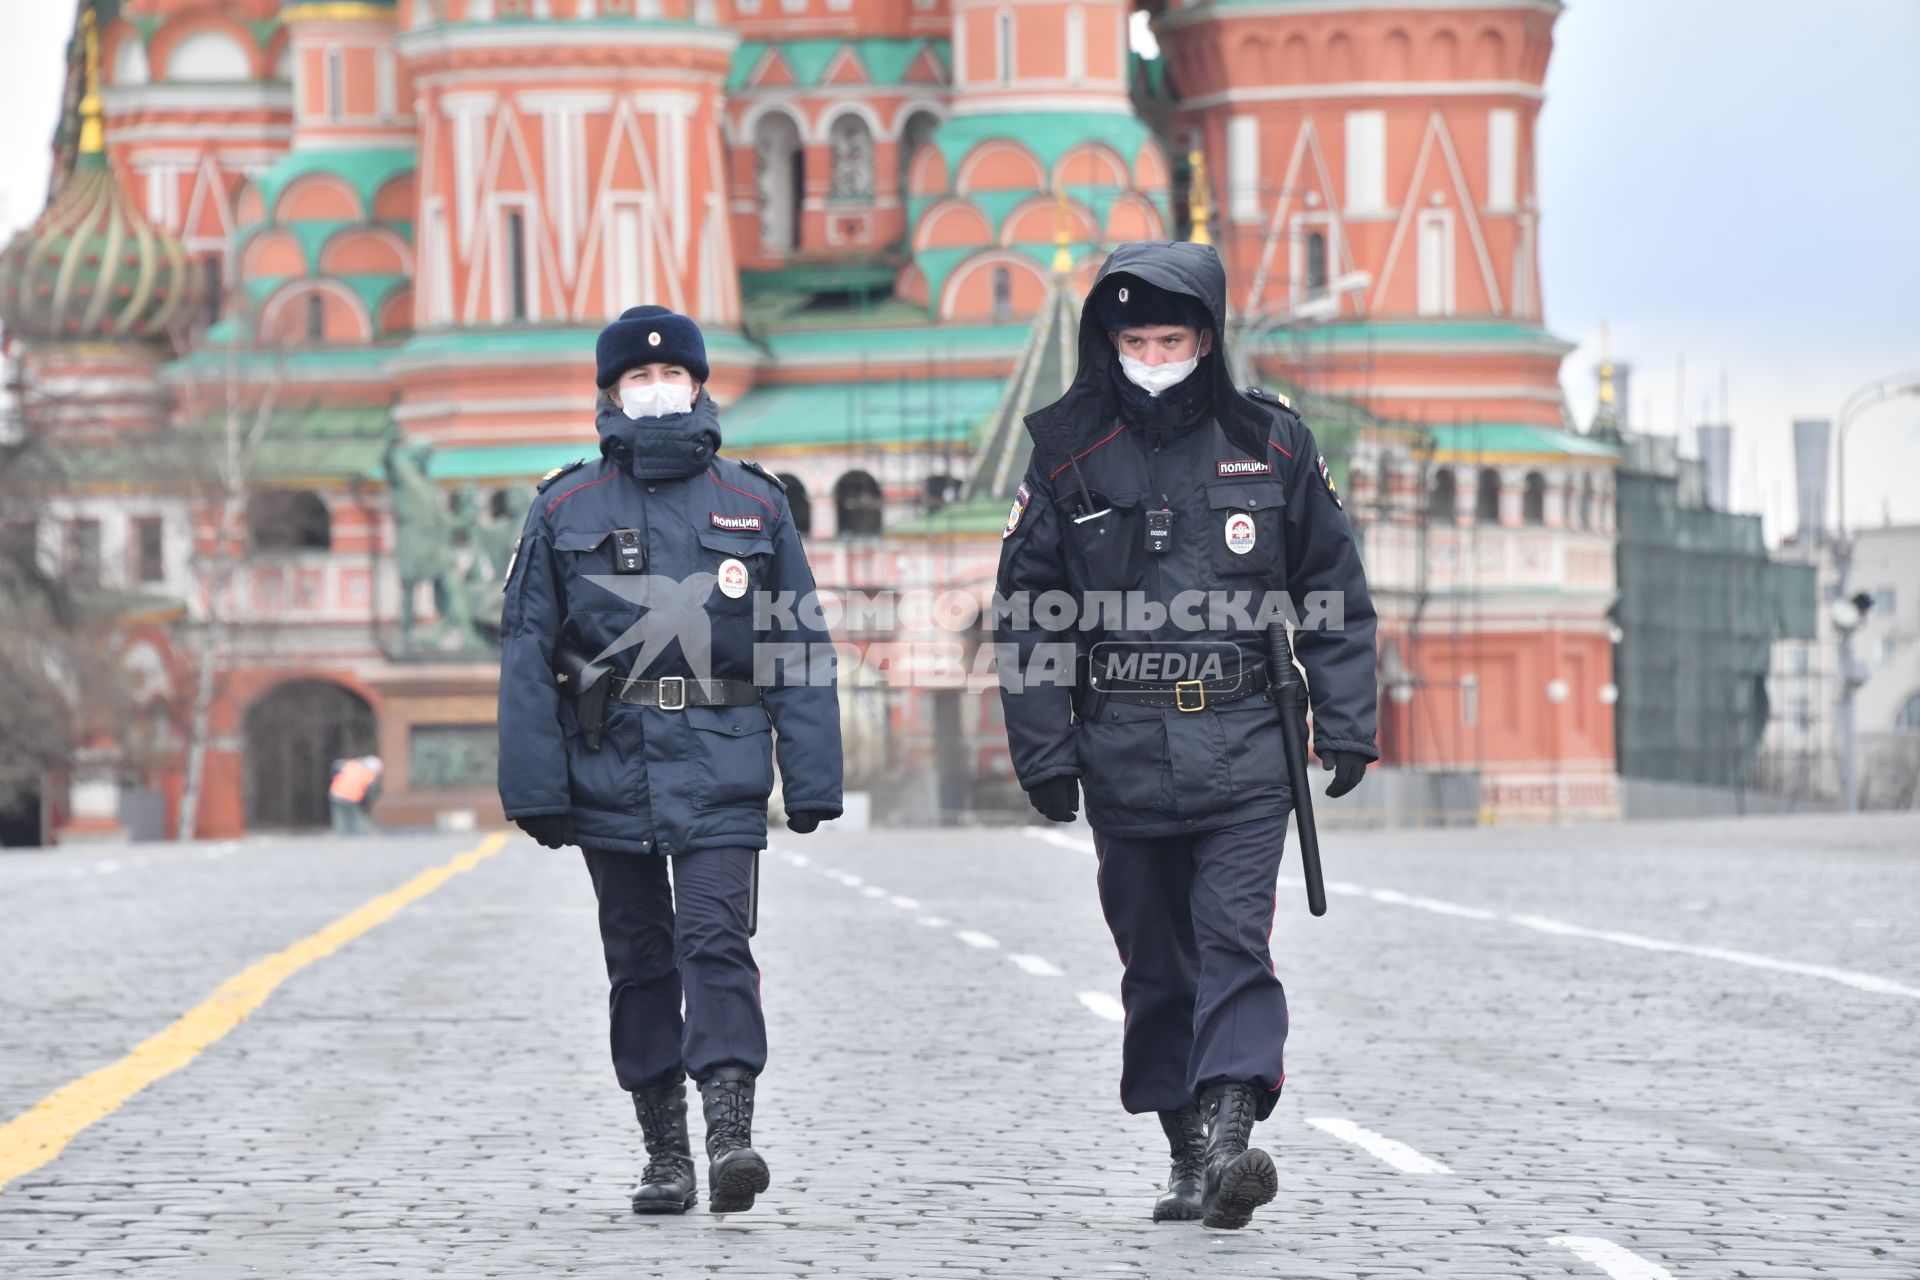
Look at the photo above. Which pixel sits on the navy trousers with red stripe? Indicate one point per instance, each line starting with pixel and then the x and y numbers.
pixel 660 951
pixel 1191 915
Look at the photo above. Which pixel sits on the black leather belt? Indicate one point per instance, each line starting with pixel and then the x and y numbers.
pixel 677 693
pixel 1182 695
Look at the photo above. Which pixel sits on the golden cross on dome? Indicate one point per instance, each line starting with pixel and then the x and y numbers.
pixel 1199 199
pixel 93 138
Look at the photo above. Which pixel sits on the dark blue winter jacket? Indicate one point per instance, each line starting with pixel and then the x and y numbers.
pixel 1253 510
pixel 665 781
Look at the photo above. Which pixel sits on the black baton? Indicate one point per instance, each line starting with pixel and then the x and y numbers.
pixel 753 897
pixel 1290 699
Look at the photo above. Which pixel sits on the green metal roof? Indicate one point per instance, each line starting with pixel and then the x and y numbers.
pixel 1468 440
pixel 365 169
pixel 938 264
pixel 507 461
pixel 1047 134
pixel 506 342
pixel 363 360
pixel 1392 332
pixel 885 58
pixel 933 343
pixel 916 411
pixel 976 518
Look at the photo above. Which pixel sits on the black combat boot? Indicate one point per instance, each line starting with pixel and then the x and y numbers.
pixel 1239 1180
pixel 666 1185
pixel 1186 1184
pixel 736 1173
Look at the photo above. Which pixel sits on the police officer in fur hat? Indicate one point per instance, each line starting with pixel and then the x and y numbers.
pixel 642 701
pixel 1153 478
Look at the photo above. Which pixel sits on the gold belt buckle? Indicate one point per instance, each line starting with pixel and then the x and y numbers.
pixel 1180 688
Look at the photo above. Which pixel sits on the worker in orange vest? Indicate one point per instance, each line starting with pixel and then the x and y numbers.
pixel 350 796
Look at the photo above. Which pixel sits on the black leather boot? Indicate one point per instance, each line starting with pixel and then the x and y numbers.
pixel 666 1185
pixel 735 1172
pixel 1239 1179
pixel 1186 1184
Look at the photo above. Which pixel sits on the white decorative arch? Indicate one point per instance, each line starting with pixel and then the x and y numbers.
pixel 759 110
pixel 835 110
pixel 130 61
pixel 208 55
pixel 990 258
pixel 385 235
pixel 295 290
pixel 912 107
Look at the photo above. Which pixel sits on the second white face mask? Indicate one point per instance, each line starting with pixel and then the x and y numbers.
pixel 1155 378
pixel 655 399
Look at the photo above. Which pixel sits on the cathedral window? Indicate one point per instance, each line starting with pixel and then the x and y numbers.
pixel 1003 46
pixel 316 318
pixel 852 145
pixel 1533 500
pixel 780 170
pixel 288 520
pixel 1366 161
pixel 1002 294
pixel 1486 507
pixel 1503 147
pixel 857 504
pixel 1316 264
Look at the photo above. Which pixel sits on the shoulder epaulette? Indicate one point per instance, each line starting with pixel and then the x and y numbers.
pixel 556 473
pixel 764 474
pixel 1271 397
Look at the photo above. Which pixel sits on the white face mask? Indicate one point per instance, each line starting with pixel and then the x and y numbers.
pixel 1155 378
pixel 655 399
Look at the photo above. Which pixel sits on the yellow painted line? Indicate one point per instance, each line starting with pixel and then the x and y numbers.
pixel 39 1135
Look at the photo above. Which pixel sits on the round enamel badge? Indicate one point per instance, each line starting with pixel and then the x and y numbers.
pixel 733 579
pixel 653 339
pixel 1239 533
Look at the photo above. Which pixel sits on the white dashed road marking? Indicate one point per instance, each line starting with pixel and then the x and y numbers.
pixel 1612 1259
pixel 934 922
pixel 1038 966
pixel 1103 1005
pixel 1869 982
pixel 1398 1154
pixel 1846 977
pixel 974 938
pixel 904 903
pixel 1061 839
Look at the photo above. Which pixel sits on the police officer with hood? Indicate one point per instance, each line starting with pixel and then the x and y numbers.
pixel 1153 477
pixel 642 697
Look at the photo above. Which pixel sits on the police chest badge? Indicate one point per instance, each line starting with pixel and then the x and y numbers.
pixel 1327 476
pixel 1240 532
pixel 733 578
pixel 1020 499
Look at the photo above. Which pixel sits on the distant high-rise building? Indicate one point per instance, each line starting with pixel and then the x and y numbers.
pixel 1716 464
pixel 1810 438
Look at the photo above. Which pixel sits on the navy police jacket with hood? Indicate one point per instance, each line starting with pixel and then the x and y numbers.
pixel 664 782
pixel 1240 459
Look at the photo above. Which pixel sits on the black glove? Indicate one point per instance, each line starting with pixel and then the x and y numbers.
pixel 1348 767
pixel 554 830
pixel 803 821
pixel 1057 799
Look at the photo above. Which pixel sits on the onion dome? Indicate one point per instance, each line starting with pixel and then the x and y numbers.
pixel 93 267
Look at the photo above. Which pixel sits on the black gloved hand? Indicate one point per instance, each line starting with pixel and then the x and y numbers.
pixel 554 830
pixel 1057 799
pixel 803 822
pixel 1347 767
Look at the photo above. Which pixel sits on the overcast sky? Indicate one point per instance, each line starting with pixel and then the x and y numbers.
pixel 1732 183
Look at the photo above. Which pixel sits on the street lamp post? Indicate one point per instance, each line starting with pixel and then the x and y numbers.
pixel 1847 612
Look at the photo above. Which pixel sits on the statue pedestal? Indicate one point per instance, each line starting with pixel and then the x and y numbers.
pixel 439 741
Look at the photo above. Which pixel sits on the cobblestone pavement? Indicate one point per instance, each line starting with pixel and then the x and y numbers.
pixel 1635 1051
